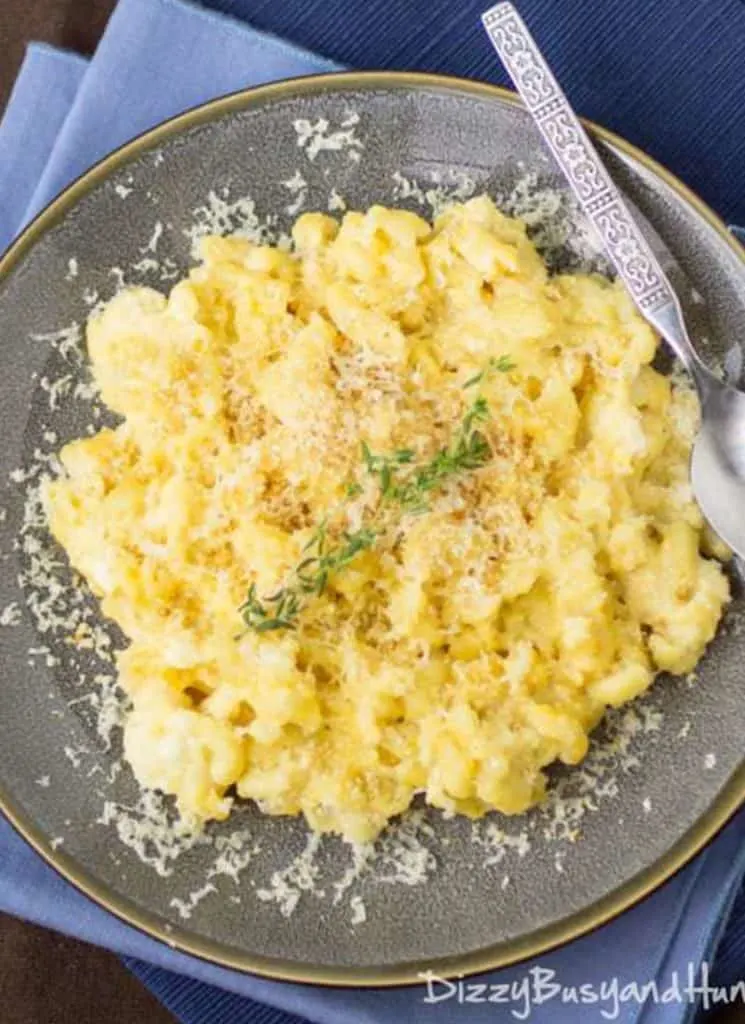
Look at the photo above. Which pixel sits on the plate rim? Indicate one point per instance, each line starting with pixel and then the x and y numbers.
pixel 541 941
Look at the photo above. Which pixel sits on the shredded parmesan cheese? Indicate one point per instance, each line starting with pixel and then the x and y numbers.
pixel 11 614
pixel 318 137
pixel 287 886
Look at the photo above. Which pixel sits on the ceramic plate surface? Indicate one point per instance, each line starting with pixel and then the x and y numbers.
pixel 257 893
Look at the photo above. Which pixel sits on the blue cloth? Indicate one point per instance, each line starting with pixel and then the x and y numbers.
pixel 41 100
pixel 684 62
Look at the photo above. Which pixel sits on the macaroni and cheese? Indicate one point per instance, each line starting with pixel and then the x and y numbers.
pixel 476 641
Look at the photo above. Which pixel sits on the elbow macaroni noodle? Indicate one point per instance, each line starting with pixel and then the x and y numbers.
pixel 485 641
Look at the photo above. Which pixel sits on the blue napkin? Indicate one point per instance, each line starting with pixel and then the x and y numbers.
pixel 41 100
pixel 161 56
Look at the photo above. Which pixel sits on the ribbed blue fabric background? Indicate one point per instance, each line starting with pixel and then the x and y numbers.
pixel 729 963
pixel 196 1003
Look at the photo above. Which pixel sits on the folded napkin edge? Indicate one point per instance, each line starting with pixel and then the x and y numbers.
pixel 229 24
pixel 61 53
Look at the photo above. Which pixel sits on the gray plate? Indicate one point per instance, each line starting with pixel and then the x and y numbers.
pixel 676 780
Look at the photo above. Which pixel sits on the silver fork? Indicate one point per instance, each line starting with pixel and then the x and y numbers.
pixel 718 463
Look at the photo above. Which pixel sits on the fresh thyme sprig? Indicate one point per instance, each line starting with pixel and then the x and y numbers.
pixel 399 487
pixel 502 365
pixel 310 576
pixel 468 450
pixel 313 572
pixel 276 612
pixel 385 467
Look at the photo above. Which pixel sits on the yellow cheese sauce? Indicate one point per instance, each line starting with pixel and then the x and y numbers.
pixel 475 642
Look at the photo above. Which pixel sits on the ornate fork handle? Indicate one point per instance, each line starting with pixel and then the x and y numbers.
pixel 570 145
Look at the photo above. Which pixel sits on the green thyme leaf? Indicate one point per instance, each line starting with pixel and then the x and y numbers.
pixel 468 450
pixel 502 365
